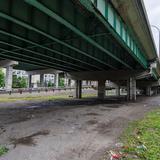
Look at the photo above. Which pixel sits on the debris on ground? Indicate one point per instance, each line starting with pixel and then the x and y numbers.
pixel 122 152
pixel 119 145
pixel 142 147
pixel 114 155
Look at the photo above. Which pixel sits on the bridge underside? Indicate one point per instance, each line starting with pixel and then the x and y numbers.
pixel 86 40
pixel 62 35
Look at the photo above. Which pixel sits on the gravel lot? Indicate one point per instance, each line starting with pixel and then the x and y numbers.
pixel 68 129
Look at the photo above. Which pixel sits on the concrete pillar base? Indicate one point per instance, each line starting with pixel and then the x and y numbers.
pixel 101 89
pixel 41 80
pixel 66 82
pixel 69 82
pixel 29 81
pixel 118 91
pixel 57 80
pixel 78 89
pixel 131 89
pixel 9 77
pixel 155 91
pixel 148 91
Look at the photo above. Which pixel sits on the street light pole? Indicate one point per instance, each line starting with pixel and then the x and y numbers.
pixel 158 29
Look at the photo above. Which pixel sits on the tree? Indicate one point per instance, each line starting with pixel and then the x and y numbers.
pixel 19 82
pixel 50 84
pixel 61 82
pixel 2 78
pixel 22 82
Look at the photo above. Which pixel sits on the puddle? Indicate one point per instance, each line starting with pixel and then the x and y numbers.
pixel 28 140
pixel 19 119
pixel 92 114
pixel 33 107
pixel 106 109
pixel 112 106
pixel 92 122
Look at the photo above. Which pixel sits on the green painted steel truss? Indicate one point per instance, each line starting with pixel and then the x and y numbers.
pixel 65 35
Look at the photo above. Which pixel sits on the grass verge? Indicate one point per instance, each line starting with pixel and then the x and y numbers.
pixel 41 98
pixel 30 98
pixel 142 138
pixel 3 150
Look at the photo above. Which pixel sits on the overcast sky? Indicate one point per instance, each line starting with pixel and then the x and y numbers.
pixel 153 10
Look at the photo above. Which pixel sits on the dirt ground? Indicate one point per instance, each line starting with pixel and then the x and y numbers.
pixel 68 129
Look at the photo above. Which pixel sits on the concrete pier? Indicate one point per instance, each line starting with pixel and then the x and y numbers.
pixel 131 89
pixel 78 90
pixel 101 89
pixel 9 77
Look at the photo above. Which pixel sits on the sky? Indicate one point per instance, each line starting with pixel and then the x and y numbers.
pixel 153 10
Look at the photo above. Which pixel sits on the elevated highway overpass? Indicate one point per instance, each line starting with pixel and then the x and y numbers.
pixel 88 39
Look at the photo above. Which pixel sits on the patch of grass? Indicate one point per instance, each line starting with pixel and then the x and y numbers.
pixel 89 95
pixel 3 150
pixel 41 98
pixel 30 98
pixel 142 138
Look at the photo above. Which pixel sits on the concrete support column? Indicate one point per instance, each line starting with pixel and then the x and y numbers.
pixel 66 81
pixel 156 91
pixel 57 80
pixel 118 91
pixel 69 82
pixel 86 83
pixel 148 91
pixel 9 77
pixel 41 80
pixel 78 90
pixel 29 81
pixel 101 89
pixel 131 89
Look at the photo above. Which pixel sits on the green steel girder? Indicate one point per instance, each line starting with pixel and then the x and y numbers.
pixel 88 5
pixel 28 67
pixel 61 20
pixel 25 25
pixel 28 61
pixel 50 64
pixel 48 49
pixel 121 53
pixel 40 54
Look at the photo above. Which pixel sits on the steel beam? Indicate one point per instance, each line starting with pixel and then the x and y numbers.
pixel 61 20
pixel 29 27
pixel 37 53
pixel 46 48
pixel 28 61
pixel 40 60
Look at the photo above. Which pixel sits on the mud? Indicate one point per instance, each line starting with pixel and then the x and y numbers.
pixel 28 140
